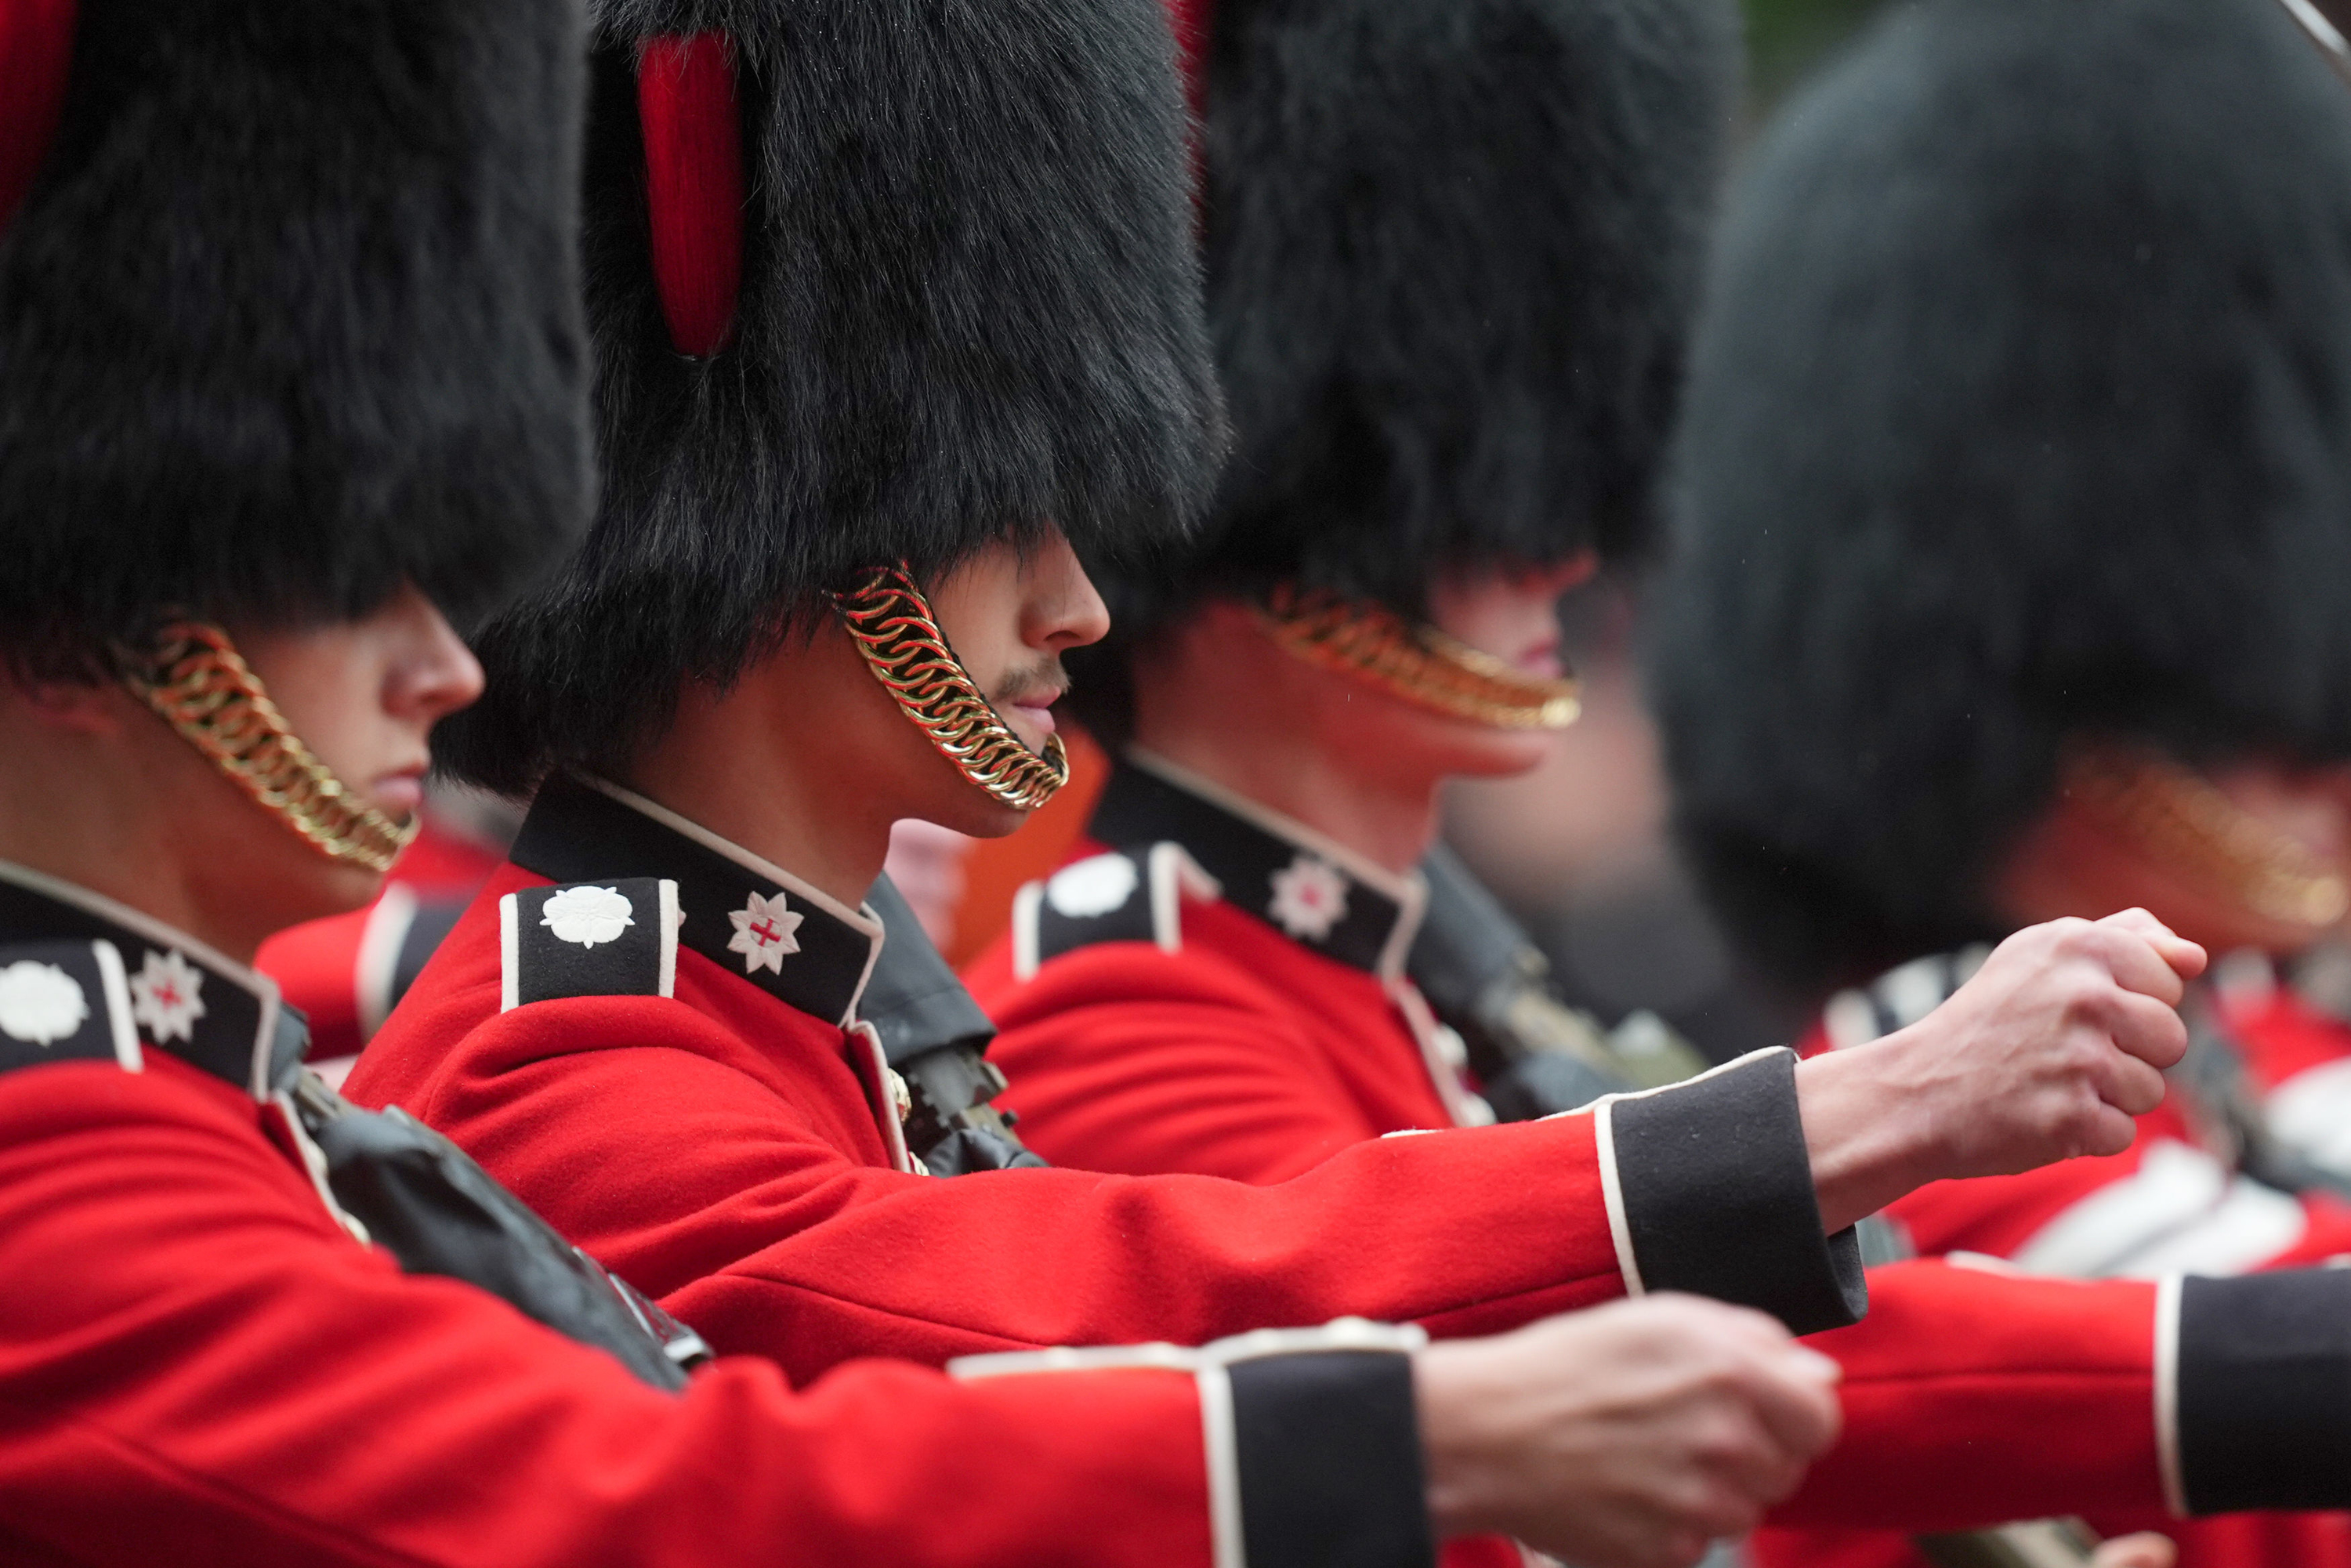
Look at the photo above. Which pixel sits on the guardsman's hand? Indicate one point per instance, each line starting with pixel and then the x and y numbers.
pixel 2049 1051
pixel 1626 1437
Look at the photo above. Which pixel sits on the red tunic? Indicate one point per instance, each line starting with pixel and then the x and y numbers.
pixel 724 1149
pixel 198 1364
pixel 2166 1205
pixel 1281 1054
pixel 2299 1056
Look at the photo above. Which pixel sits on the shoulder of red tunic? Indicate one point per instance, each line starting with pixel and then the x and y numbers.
pixel 465 1015
pixel 1148 925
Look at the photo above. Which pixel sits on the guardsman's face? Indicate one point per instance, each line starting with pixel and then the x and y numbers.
pixel 363 696
pixel 113 798
pixel 1513 614
pixel 1011 613
pixel 2073 860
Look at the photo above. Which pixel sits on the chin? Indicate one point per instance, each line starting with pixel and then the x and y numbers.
pixel 983 817
pixel 1480 751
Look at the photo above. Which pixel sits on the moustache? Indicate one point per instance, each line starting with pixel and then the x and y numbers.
pixel 1031 685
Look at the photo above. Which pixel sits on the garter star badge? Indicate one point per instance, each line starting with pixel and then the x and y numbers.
pixel 1309 897
pixel 166 995
pixel 763 934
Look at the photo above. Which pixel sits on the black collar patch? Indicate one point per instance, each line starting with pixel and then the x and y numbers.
pixel 140 981
pixel 1317 894
pixel 752 918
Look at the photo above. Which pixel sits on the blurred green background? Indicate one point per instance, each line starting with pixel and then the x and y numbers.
pixel 1786 38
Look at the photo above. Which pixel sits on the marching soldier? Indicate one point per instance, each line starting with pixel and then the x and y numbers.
pixel 294 365
pixel 844 497
pixel 2014 578
pixel 1225 978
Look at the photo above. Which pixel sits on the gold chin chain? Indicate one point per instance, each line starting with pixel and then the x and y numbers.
pixel 196 681
pixel 1416 662
pixel 2180 818
pixel 892 626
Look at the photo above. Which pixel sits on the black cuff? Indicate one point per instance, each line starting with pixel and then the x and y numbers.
pixel 1713 1194
pixel 2264 1392
pixel 1327 1447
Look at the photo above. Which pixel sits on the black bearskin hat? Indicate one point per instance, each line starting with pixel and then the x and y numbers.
pixel 965 306
pixel 1453 247
pixel 2020 410
pixel 288 312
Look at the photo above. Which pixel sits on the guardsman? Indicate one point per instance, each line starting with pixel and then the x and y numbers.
pixel 845 496
pixel 2014 576
pixel 290 358
pixel 1371 612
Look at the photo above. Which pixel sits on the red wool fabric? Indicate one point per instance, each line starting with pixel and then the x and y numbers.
pixel 212 1373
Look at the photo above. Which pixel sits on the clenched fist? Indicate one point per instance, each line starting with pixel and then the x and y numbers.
pixel 1626 1437
pixel 2059 1041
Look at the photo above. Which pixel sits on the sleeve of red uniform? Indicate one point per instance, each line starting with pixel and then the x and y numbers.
pixel 199 1368
pixel 1154 1065
pixel 1973 1397
pixel 705 1188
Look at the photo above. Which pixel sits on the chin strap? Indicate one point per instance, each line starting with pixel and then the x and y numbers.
pixel 2177 816
pixel 1416 662
pixel 894 627
pixel 200 685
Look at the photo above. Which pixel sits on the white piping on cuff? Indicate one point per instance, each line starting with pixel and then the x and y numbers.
pixel 1221 1451
pixel 2166 1395
pixel 1611 1191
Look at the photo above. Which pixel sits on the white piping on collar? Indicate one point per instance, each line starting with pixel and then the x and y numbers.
pixel 1408 892
pixel 862 920
pixel 263 989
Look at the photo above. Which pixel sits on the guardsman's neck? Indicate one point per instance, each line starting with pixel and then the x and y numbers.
pixel 1389 821
pixel 768 803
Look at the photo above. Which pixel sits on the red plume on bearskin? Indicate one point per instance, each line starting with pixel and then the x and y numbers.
pixel 35 54
pixel 693 184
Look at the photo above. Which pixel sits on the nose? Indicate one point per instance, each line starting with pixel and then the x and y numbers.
pixel 1060 607
pixel 1560 576
pixel 436 674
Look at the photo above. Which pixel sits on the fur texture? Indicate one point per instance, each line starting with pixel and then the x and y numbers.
pixel 1453 249
pixel 2021 411
pixel 291 314
pixel 971 307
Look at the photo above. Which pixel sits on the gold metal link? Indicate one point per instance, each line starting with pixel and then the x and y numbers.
pixel 2179 816
pixel 1416 662
pixel 195 679
pixel 894 627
